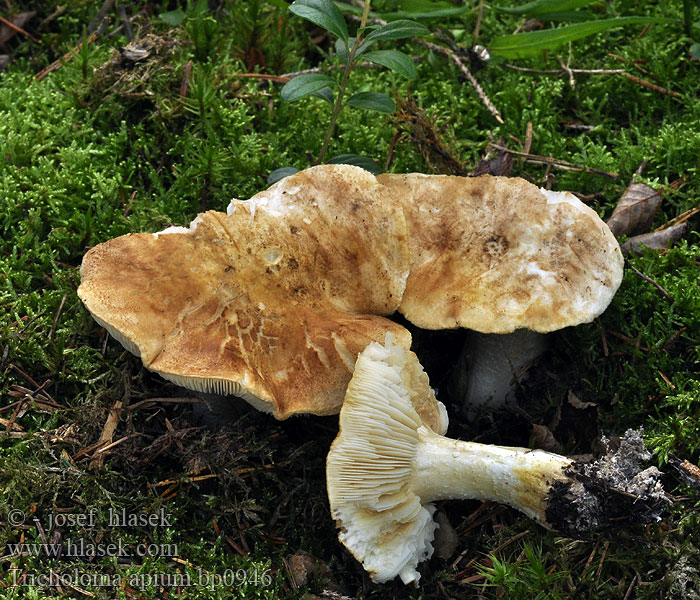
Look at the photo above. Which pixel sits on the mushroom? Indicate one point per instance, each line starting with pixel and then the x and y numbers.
pixel 272 301
pixel 500 255
pixel 387 466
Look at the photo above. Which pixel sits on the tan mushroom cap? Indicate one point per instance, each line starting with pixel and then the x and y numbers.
pixel 496 254
pixel 272 302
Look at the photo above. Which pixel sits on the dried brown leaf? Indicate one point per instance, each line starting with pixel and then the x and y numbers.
pixel 656 240
pixel 544 439
pixel 576 403
pixel 636 210
pixel 304 566
pixel 500 163
pixel 445 542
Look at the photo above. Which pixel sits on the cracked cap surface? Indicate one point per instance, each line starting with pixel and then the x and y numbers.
pixel 496 254
pixel 272 302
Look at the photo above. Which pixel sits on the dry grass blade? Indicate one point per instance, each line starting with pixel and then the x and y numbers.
pixel 554 162
pixel 107 432
pixel 652 86
pixel 682 218
pixel 650 280
pixel 468 74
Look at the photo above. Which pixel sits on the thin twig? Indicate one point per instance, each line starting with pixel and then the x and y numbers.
pixel 630 588
pixel 606 545
pixel 479 16
pixel 555 162
pixel 564 72
pixel 652 86
pixel 569 72
pixel 682 218
pixel 392 146
pixel 634 64
pixel 14 27
pixel 151 401
pixel 652 281
pixel 468 74
pixel 125 21
pixel 99 17
pixel 275 78
pixel 58 314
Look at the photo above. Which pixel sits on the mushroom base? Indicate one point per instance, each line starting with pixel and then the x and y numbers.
pixel 609 493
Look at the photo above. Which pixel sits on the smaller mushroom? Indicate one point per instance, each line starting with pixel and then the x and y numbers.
pixel 386 467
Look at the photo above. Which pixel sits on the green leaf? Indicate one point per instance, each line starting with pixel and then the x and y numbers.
pixel 281 173
pixel 323 13
pixel 695 51
pixel 325 94
pixel 414 9
pixel 397 30
pixel 303 85
pixel 540 7
pixel 356 160
pixel 393 59
pixel 372 101
pixel 575 16
pixel 173 17
pixel 522 45
pixel 342 49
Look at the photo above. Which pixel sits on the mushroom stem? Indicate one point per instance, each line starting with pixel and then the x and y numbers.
pixel 451 469
pixel 386 467
pixel 491 367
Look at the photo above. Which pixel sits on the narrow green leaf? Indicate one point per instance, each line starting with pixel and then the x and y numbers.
pixel 522 45
pixel 573 16
pixel 303 85
pixel 397 30
pixel 393 59
pixel 173 17
pixel 372 101
pixel 281 173
pixel 323 13
pixel 356 160
pixel 540 7
pixel 425 10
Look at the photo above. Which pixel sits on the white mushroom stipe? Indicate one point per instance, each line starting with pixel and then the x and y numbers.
pixel 386 467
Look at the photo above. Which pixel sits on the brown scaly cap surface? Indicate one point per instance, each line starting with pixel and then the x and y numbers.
pixel 272 302
pixel 495 254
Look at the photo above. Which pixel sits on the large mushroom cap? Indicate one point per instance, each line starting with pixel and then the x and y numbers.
pixel 272 302
pixel 496 254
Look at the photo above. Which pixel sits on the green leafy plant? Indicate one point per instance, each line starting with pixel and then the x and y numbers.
pixel 350 50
